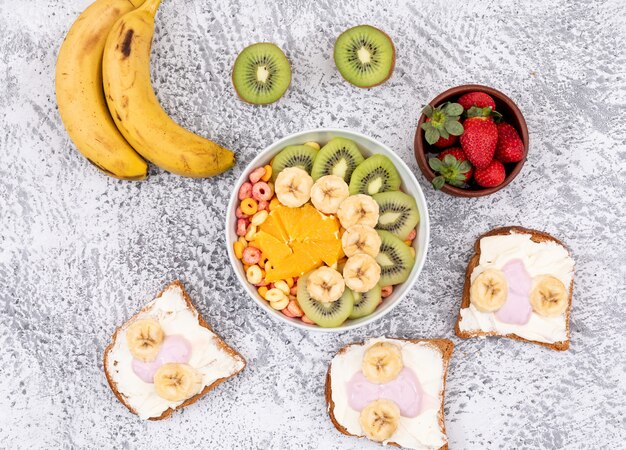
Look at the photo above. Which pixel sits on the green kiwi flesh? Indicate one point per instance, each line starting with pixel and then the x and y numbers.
pixel 376 174
pixel 301 156
pixel 326 315
pixel 261 73
pixel 395 259
pixel 339 157
pixel 366 303
pixel 365 56
pixel 398 213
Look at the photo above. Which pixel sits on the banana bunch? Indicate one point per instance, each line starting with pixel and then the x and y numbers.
pixel 107 103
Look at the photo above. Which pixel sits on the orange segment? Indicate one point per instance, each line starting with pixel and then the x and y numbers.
pixel 271 247
pixel 303 238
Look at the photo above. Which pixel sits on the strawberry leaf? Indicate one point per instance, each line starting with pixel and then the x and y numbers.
pixel 432 135
pixel 465 167
pixel 438 182
pixel 454 127
pixel 435 164
pixel 449 160
pixel 427 110
pixel 453 109
pixel 444 134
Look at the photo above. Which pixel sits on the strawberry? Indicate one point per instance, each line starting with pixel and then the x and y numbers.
pixel 479 140
pixel 510 147
pixel 442 124
pixel 491 176
pixel 479 99
pixel 453 167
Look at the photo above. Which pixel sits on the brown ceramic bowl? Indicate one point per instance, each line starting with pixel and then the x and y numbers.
pixel 505 106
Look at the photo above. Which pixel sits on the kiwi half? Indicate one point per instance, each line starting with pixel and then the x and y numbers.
pixel 395 259
pixel 365 56
pixel 261 73
pixel 339 157
pixel 326 315
pixel 366 303
pixel 398 213
pixel 301 156
pixel 376 174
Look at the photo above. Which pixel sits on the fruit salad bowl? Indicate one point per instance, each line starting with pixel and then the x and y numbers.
pixel 418 243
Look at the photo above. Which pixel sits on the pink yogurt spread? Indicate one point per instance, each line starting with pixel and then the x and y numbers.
pixel 174 349
pixel 517 308
pixel 406 391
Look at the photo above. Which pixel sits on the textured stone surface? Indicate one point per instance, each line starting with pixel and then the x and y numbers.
pixel 80 252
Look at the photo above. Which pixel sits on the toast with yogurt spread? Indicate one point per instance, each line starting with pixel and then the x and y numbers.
pixel 518 285
pixel 391 391
pixel 167 357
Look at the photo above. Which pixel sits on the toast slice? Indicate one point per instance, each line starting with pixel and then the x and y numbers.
pixel 239 362
pixel 443 346
pixel 536 236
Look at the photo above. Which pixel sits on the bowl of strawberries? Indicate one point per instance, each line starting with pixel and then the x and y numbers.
pixel 471 141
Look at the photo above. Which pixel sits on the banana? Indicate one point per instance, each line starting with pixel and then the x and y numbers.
pixel 361 239
pixel 144 338
pixel 328 192
pixel 489 290
pixel 293 187
pixel 81 101
pixel 177 382
pixel 137 111
pixel 360 209
pixel 549 296
pixel 361 272
pixel 325 284
pixel 382 362
pixel 379 419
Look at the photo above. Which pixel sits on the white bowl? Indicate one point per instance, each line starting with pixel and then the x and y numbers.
pixel 368 146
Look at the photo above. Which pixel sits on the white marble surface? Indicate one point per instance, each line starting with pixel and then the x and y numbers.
pixel 80 252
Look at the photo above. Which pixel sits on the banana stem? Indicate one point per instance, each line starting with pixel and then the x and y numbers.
pixel 151 6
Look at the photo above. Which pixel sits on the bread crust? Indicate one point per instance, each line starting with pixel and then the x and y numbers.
pixel 202 323
pixel 446 348
pixel 536 236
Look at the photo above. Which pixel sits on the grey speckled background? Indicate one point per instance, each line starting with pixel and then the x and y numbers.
pixel 80 252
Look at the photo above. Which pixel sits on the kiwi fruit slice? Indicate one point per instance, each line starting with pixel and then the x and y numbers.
pixel 395 259
pixel 366 303
pixel 339 157
pixel 365 56
pixel 261 73
pixel 301 156
pixel 398 213
pixel 376 174
pixel 326 315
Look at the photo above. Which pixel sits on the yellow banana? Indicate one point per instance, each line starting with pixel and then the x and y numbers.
pixel 80 96
pixel 136 109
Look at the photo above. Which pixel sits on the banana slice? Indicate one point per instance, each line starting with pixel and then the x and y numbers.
pixel 360 209
pixel 382 362
pixel 328 192
pixel 144 338
pixel 177 382
pixel 325 284
pixel 549 296
pixel 293 187
pixel 361 239
pixel 379 419
pixel 489 290
pixel 361 272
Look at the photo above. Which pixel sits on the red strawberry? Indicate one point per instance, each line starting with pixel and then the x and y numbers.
pixel 479 140
pixel 479 99
pixel 491 176
pixel 453 167
pixel 510 147
pixel 443 142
